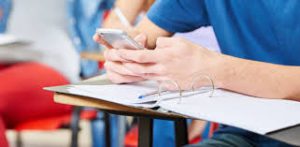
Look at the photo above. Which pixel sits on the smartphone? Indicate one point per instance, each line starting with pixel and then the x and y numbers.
pixel 114 38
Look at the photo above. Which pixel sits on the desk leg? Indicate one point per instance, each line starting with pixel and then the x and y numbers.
pixel 181 135
pixel 107 130
pixel 145 132
pixel 75 125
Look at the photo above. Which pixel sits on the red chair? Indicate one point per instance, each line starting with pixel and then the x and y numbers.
pixel 213 127
pixel 66 120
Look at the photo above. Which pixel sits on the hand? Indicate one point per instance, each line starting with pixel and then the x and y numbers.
pixel 173 59
pixel 115 70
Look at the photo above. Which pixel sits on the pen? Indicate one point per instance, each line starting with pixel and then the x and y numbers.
pixel 121 17
pixel 150 93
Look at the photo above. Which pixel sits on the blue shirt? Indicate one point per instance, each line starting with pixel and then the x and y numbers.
pixel 261 30
pixel 266 31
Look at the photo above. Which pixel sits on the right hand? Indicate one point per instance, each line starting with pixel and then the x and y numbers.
pixel 115 71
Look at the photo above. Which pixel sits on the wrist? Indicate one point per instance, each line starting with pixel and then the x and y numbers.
pixel 225 71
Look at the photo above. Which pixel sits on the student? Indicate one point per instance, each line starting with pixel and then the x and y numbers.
pixel 133 12
pixel 259 44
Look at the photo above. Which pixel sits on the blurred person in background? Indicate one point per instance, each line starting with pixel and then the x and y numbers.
pixel 58 30
pixel 22 98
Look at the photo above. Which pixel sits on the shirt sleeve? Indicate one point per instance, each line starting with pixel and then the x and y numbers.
pixel 179 15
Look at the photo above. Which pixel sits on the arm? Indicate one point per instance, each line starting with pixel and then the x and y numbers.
pixel 171 56
pixel 260 79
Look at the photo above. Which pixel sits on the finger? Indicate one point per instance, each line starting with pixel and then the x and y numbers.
pixel 142 69
pixel 117 67
pixel 164 81
pixel 139 56
pixel 112 55
pixel 117 78
pixel 141 39
pixel 96 38
pixel 162 42
pixel 101 41
pixel 155 77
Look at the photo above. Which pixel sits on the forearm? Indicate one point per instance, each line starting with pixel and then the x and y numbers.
pixel 259 78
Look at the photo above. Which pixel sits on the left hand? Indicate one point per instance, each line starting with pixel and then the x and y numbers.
pixel 173 59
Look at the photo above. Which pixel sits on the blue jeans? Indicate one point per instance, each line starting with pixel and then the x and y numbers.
pixel 233 137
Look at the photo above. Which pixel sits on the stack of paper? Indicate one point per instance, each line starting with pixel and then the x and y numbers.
pixel 122 94
pixel 258 115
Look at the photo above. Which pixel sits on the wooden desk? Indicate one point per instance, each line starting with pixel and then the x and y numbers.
pixel 145 117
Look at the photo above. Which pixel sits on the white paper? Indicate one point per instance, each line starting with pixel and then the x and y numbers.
pixel 123 94
pixel 258 115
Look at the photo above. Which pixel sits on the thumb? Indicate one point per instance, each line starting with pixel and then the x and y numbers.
pixel 141 39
